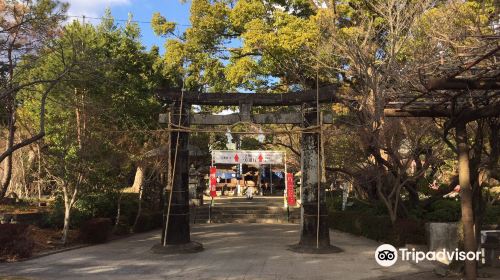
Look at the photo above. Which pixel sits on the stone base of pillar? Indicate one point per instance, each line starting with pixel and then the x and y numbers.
pixel 307 249
pixel 311 241
pixel 187 248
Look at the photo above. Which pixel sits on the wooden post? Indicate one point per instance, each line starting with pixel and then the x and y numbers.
pixel 470 244
pixel 285 191
pixel 271 176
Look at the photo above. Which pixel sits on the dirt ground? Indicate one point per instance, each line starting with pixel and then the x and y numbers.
pixel 50 239
pixel 46 240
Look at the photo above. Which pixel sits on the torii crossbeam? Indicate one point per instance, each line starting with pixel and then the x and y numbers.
pixel 314 226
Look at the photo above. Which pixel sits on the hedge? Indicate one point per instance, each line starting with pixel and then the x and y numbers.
pixel 404 231
pixel 16 241
pixel 149 221
pixel 96 230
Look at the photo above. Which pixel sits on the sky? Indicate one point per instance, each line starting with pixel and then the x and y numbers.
pixel 142 11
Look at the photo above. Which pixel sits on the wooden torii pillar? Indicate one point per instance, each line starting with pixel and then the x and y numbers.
pixel 178 231
pixel 314 229
pixel 314 236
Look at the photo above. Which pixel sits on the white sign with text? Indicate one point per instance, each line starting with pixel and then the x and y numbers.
pixel 248 157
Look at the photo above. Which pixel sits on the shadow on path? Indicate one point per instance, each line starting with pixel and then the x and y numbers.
pixel 232 251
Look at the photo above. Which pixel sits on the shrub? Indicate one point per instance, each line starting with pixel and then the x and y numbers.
pixel 149 221
pixel 55 218
pixel 89 206
pixel 15 241
pixel 492 215
pixel 129 206
pixel 417 213
pixel 409 231
pixel 96 230
pixel 444 210
pixel 123 226
pixel 334 201
pixel 378 227
pixel 142 224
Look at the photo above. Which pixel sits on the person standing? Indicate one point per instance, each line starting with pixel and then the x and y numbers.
pixel 250 190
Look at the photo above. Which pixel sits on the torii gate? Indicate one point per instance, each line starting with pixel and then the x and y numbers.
pixel 314 235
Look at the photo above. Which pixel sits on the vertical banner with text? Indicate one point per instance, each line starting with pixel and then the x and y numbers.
pixel 290 190
pixel 213 182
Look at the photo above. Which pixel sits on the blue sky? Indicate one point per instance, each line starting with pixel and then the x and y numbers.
pixel 142 10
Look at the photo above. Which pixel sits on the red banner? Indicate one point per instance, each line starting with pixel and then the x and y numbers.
pixel 213 182
pixel 290 190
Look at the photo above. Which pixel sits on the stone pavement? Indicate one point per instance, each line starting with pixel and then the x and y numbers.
pixel 232 251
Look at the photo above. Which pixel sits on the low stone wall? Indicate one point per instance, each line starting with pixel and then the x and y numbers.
pixel 442 236
pixel 491 247
pixel 34 218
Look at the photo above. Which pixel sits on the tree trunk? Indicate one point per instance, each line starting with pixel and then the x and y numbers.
pixel 139 207
pixel 470 244
pixel 8 163
pixel 68 205
pixel 23 178
pixel 118 211
pixel 67 219
pixel 138 179
pixel 412 194
pixel 139 186
pixel 7 176
pixel 12 127
pixel 39 174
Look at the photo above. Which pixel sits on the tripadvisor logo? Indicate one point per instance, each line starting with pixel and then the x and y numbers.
pixel 386 255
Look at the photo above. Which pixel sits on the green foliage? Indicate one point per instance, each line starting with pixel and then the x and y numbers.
pixel 492 215
pixel 244 45
pixel 378 227
pixel 248 143
pixel 88 114
pixel 148 221
pixel 417 213
pixel 444 210
pixel 55 218
pixel 97 205
pixel 334 203
pixel 218 141
pixel 92 205
pixel 129 206
pixel 343 150
pixel 161 26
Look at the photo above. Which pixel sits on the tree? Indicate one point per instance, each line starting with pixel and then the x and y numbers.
pixel 89 114
pixel 27 29
pixel 251 44
pixel 370 39
pixel 398 49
